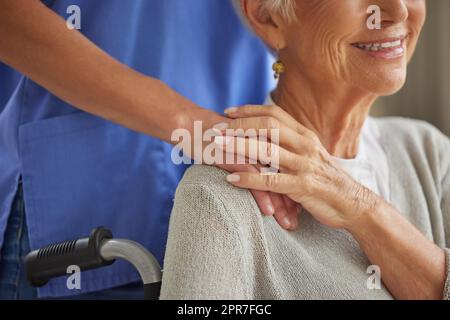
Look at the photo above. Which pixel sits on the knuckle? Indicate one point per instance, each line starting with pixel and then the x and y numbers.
pixel 313 137
pixel 309 148
pixel 313 148
pixel 317 149
pixel 294 161
pixel 271 181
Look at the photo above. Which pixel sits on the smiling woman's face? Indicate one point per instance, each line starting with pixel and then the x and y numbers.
pixel 330 40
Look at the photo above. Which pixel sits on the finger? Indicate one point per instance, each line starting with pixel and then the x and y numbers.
pixel 265 202
pixel 279 183
pixel 234 161
pixel 276 112
pixel 262 151
pixel 281 212
pixel 271 128
pixel 293 211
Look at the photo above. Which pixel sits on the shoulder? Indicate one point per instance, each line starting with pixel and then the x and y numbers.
pixel 213 179
pixel 409 129
pixel 208 176
pixel 416 140
pixel 205 189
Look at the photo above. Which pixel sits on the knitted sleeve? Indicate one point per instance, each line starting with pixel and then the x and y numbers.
pixel 204 253
pixel 445 205
pixel 446 211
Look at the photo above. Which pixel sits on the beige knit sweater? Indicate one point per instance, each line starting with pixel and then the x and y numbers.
pixel 221 247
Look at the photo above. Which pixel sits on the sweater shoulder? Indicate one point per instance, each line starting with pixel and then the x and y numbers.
pixel 415 140
pixel 209 176
pixel 414 135
pixel 407 129
pixel 212 178
pixel 236 203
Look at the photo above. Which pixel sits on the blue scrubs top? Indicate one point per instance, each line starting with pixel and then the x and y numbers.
pixel 80 171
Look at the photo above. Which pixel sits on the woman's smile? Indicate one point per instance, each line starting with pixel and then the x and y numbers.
pixel 388 49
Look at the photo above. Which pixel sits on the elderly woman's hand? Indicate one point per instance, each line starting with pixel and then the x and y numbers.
pixel 308 176
pixel 307 173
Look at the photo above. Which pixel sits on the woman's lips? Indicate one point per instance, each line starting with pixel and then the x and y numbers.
pixel 392 48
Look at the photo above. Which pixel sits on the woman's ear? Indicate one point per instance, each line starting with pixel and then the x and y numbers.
pixel 269 26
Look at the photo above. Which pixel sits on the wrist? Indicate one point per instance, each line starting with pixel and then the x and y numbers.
pixel 195 135
pixel 369 212
pixel 194 113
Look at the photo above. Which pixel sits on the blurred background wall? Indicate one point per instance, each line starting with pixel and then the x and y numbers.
pixel 427 92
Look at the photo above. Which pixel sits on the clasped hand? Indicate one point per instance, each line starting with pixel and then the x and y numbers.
pixel 307 173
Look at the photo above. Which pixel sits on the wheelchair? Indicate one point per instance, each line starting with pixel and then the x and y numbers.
pixel 99 250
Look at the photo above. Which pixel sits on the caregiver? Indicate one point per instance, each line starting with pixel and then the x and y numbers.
pixel 65 122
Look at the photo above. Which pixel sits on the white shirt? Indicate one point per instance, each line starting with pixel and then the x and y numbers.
pixel 370 166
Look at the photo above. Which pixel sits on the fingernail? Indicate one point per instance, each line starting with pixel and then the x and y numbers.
pixel 270 210
pixel 286 223
pixel 233 178
pixel 222 140
pixel 231 110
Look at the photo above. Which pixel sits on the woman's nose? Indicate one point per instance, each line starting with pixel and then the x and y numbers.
pixel 393 11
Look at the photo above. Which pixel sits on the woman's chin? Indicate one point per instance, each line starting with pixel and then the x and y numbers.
pixel 385 86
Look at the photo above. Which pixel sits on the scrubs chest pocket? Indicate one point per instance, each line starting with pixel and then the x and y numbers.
pixel 80 172
pixel 55 155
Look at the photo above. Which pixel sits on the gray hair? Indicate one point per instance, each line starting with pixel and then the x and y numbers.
pixel 285 7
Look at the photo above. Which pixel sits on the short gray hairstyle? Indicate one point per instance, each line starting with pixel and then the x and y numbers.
pixel 285 7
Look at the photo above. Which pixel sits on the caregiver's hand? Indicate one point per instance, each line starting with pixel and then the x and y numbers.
pixel 307 174
pixel 283 209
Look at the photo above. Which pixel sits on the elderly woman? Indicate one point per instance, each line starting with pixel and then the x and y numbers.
pixel 374 194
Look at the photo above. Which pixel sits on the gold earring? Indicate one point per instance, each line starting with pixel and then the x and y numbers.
pixel 278 68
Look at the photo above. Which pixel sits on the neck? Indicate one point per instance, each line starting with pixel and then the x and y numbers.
pixel 335 114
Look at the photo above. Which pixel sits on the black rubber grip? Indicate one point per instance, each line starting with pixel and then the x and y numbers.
pixel 52 261
pixel 152 291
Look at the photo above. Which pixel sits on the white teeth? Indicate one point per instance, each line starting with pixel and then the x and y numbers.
pixel 379 46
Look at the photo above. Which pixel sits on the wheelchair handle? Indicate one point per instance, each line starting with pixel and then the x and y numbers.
pixel 99 250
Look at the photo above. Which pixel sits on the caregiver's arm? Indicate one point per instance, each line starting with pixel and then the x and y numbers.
pixel 36 41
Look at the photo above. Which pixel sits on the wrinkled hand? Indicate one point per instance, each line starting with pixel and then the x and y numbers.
pixel 284 210
pixel 307 173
